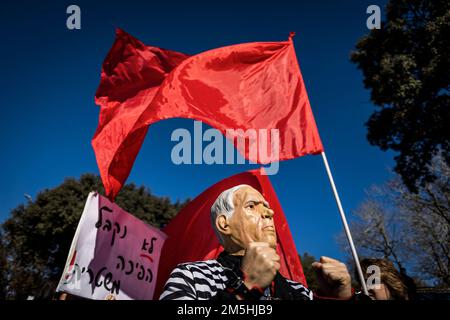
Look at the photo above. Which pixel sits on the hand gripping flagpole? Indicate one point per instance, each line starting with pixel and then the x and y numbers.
pixel 344 222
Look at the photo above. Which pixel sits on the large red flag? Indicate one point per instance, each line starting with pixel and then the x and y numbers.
pixel 192 238
pixel 246 86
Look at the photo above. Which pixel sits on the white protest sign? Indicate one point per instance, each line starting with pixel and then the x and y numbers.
pixel 114 255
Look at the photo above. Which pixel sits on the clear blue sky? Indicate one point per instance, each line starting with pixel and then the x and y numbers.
pixel 50 75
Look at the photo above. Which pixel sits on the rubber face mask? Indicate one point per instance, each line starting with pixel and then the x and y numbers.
pixel 252 220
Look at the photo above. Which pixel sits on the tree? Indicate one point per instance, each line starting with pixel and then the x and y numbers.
pixel 405 65
pixel 427 224
pixel 377 231
pixel 309 272
pixel 3 268
pixel 37 236
pixel 411 229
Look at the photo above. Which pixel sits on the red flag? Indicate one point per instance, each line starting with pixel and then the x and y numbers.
pixel 192 238
pixel 246 86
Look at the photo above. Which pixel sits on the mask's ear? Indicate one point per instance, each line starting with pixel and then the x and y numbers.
pixel 222 224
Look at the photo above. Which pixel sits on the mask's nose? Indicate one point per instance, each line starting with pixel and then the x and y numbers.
pixel 267 213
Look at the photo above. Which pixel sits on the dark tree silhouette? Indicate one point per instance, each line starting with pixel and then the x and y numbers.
pixel 308 270
pixel 405 65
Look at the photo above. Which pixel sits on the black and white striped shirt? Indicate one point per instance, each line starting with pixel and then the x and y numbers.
pixel 203 280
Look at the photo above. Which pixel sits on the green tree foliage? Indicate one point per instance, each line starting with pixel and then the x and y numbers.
pixel 37 236
pixel 308 270
pixel 406 66
pixel 3 266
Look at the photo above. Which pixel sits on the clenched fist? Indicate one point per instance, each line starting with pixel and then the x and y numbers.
pixel 333 278
pixel 260 265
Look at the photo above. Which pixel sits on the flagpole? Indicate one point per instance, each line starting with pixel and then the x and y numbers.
pixel 344 222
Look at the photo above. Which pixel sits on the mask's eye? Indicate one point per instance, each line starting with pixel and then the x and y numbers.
pixel 251 205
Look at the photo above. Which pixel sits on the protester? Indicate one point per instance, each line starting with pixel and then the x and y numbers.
pixel 391 285
pixel 248 267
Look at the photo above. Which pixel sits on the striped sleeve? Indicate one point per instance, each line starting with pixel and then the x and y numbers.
pixel 301 289
pixel 180 285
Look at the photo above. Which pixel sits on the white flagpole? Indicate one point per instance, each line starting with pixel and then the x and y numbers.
pixel 344 222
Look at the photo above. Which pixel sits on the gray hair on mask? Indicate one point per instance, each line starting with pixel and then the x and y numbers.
pixel 224 206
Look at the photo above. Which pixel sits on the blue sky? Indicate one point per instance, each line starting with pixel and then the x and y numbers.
pixel 50 75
